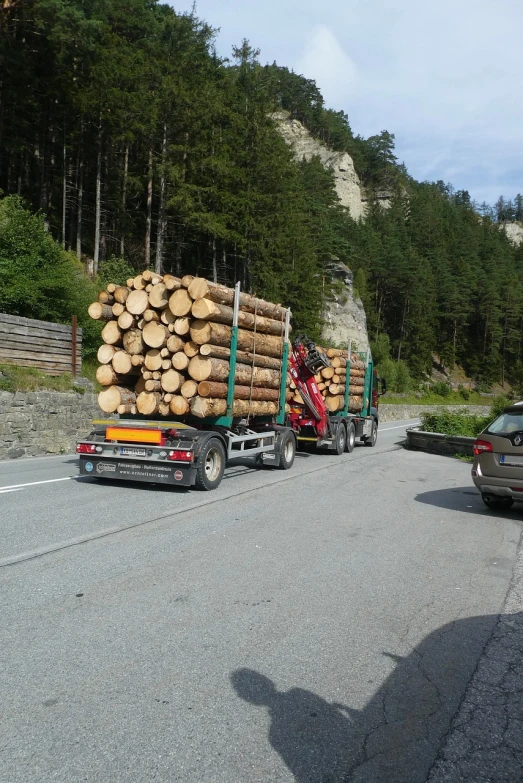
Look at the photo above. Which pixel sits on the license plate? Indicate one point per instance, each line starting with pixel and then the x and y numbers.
pixel 510 459
pixel 131 451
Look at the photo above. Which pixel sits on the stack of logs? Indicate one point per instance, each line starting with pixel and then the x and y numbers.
pixel 331 381
pixel 166 348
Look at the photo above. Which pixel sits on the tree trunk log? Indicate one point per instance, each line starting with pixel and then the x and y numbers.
pixel 148 403
pixel 122 363
pixel 153 360
pixel 121 294
pixel 133 342
pixel 137 302
pixel 111 333
pixel 182 326
pixel 219 390
pixel 166 317
pixel 110 398
pixel 105 298
pixel 127 408
pixel 125 320
pixel 189 389
pixel 244 357
pixel 100 312
pixel 187 280
pixel 175 344
pixel 178 405
pixel 203 289
pixel 153 386
pixel 204 369
pixel 180 303
pixel 327 372
pixel 155 335
pixel 150 315
pixel 203 332
pixel 137 360
pixel 106 376
pixel 105 353
pixel 206 310
pixel 159 296
pixel 171 282
pixel 191 349
pixel 202 407
pixel 171 381
pixel 118 309
pixel 180 361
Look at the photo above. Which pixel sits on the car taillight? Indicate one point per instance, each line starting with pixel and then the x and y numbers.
pixel 481 446
pixel 180 456
pixel 85 448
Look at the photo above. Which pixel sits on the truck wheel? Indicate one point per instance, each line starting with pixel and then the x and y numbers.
pixel 340 439
pixel 371 439
pixel 287 451
pixel 211 465
pixel 351 438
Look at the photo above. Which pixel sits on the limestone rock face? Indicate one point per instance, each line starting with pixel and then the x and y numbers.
pixel 344 315
pixel 514 232
pixel 346 180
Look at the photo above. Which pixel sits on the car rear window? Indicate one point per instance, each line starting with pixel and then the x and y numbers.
pixel 506 423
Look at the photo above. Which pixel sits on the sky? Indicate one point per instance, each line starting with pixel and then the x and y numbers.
pixel 443 75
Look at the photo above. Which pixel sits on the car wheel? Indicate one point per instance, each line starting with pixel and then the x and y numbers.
pixel 351 438
pixel 496 503
pixel 211 465
pixel 371 439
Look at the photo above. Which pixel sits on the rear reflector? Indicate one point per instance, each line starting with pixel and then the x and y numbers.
pixel 480 446
pixel 85 448
pixel 137 435
pixel 180 456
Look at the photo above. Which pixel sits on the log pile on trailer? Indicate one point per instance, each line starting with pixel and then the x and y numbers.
pixel 167 348
pixel 331 381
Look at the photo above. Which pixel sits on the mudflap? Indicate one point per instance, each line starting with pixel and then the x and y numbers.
pixel 175 474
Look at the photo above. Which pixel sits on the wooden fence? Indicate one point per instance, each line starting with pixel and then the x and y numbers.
pixel 50 347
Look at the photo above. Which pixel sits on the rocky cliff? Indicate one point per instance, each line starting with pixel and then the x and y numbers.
pixel 514 231
pixel 343 313
pixel 346 180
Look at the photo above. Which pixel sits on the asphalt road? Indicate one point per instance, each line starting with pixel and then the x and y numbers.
pixel 318 625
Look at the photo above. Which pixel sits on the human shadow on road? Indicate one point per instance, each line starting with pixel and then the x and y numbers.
pixel 466 499
pixel 396 737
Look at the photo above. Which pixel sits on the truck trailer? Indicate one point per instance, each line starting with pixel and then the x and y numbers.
pixel 194 452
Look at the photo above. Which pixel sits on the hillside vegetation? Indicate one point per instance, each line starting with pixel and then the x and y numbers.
pixel 123 127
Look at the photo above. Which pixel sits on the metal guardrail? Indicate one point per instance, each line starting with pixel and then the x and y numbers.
pixel 439 443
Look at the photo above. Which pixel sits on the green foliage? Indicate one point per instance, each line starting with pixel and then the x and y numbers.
pixel 28 379
pixel 452 423
pixel 442 389
pixel 114 270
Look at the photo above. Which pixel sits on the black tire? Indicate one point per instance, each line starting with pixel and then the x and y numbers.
pixel 496 503
pixel 351 438
pixel 287 451
pixel 210 466
pixel 340 439
pixel 371 439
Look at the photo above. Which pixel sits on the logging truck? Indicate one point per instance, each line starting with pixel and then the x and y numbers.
pixel 244 400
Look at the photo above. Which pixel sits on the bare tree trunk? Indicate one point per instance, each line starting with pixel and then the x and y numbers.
pixel 80 196
pixel 402 328
pixel 98 207
pixel 214 265
pixel 147 258
pixel 124 195
pixel 64 189
pixel 161 210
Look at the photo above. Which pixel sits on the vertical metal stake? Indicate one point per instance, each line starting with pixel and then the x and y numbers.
pixel 284 361
pixel 234 348
pixel 347 381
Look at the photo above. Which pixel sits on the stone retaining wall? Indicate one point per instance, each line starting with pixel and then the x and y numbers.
pixel 404 412
pixel 33 424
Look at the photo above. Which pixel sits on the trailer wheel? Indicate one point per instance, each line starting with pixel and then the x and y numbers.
pixel 340 439
pixel 287 451
pixel 373 437
pixel 211 465
pixel 351 438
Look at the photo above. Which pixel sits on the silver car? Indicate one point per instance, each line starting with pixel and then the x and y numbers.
pixel 498 460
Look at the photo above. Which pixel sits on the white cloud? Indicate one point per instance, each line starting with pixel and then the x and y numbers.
pixel 325 61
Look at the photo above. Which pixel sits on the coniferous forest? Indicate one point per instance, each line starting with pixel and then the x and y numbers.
pixel 139 146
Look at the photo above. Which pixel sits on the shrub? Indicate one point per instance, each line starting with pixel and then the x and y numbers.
pixel 454 423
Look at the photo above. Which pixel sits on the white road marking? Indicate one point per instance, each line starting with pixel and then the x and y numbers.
pixel 399 427
pixel 47 481
pixel 10 489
